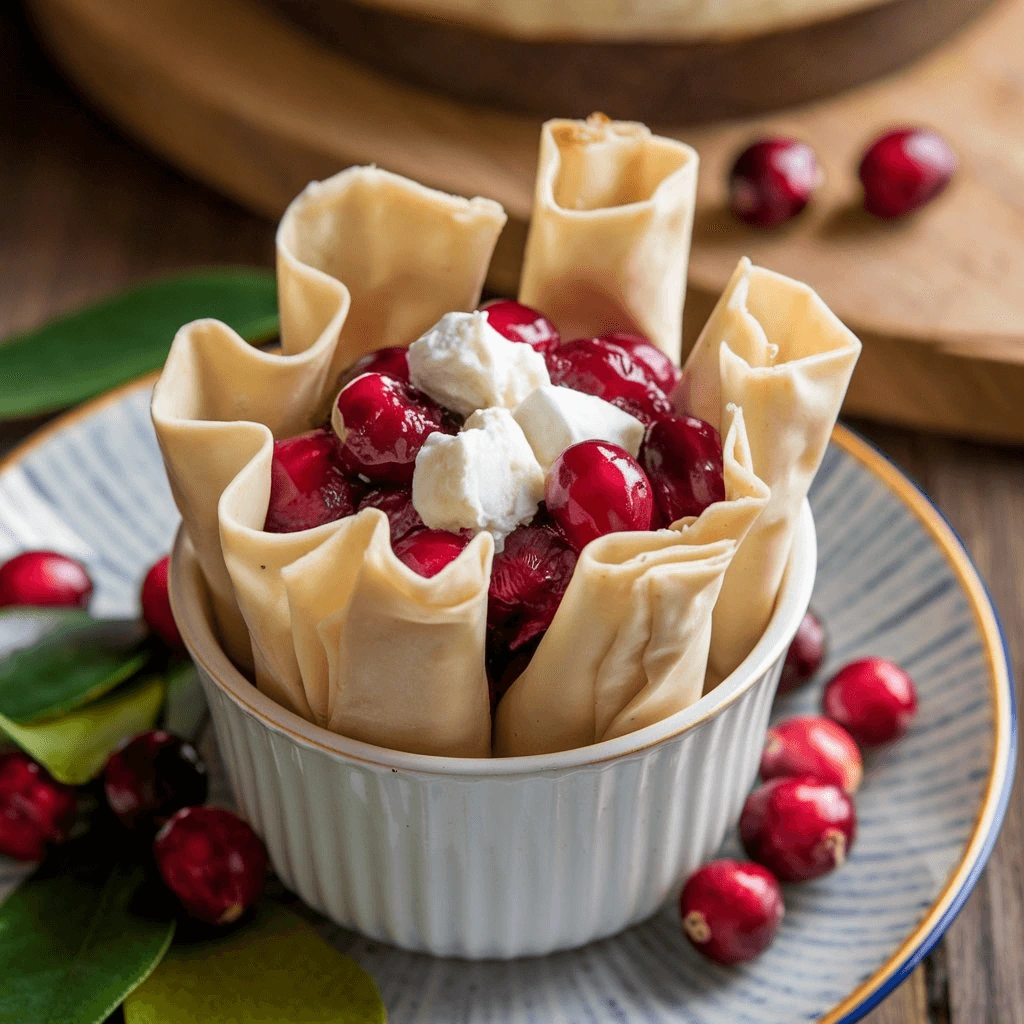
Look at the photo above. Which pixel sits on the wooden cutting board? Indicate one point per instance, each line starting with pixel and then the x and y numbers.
pixel 242 100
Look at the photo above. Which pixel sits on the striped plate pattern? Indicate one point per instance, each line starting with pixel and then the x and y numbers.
pixel 928 810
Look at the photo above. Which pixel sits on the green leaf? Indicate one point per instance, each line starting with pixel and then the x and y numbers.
pixel 185 711
pixel 75 748
pixel 272 970
pixel 80 355
pixel 75 940
pixel 74 661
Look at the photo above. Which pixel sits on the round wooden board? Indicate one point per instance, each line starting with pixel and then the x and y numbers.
pixel 240 99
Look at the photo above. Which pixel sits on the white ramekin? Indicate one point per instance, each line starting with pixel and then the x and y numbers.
pixel 499 857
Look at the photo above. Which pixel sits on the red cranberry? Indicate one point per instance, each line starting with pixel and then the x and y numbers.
pixel 390 362
pixel 772 181
pixel 805 655
pixel 35 811
pixel 815 747
pixel 731 910
pixel 595 488
pixel 427 552
pixel 151 777
pixel 683 459
pixel 599 367
pixel 798 828
pixel 212 861
pixel 904 170
pixel 517 322
pixel 384 423
pixel 44 578
pixel 873 699
pixel 528 578
pixel 659 367
pixel 308 486
pixel 156 604
pixel 396 504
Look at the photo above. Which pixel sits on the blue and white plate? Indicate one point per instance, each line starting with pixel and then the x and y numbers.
pixel 893 581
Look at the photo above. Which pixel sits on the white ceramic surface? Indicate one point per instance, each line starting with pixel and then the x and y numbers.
pixel 499 857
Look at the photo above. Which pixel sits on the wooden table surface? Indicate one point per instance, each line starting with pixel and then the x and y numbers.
pixel 84 212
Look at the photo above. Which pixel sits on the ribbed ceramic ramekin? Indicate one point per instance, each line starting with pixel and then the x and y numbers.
pixel 501 857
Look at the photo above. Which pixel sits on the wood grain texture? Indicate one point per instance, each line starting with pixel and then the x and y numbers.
pixel 681 82
pixel 235 96
pixel 85 212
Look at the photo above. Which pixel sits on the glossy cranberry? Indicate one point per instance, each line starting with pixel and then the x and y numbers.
pixel 904 170
pixel 390 362
pixel 594 488
pixel 683 459
pixel 806 653
pixel 151 777
pixel 772 181
pixel 308 486
pixel 599 367
pixel 212 861
pixel 427 552
pixel 383 424
pixel 44 578
pixel 731 910
pixel 528 578
pixel 659 367
pixel 517 322
pixel 396 504
pixel 798 828
pixel 156 604
pixel 35 811
pixel 815 747
pixel 873 699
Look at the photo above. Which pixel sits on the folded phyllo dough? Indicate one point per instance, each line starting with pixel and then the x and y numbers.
pixel 772 347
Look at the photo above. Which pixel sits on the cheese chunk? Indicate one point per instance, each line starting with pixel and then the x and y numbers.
pixel 484 478
pixel 463 363
pixel 553 418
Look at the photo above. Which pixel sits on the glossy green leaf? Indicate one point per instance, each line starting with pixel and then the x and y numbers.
pixel 274 969
pixel 77 356
pixel 75 747
pixel 74 661
pixel 75 939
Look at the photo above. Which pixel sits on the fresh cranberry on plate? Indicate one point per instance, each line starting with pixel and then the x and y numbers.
pixel 427 552
pixel 599 367
pixel 660 368
pixel 308 486
pixel 731 910
pixel 382 424
pixel 212 861
pixel 873 699
pixel 516 322
pixel 683 459
pixel 815 747
pixel 806 653
pixel 151 777
pixel 594 488
pixel 772 181
pixel 156 604
pixel 904 170
pixel 798 828
pixel 44 578
pixel 396 504
pixel 528 578
pixel 36 811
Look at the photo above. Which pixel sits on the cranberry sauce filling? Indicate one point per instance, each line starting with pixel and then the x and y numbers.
pixel 382 424
pixel 308 486
pixel 367 457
